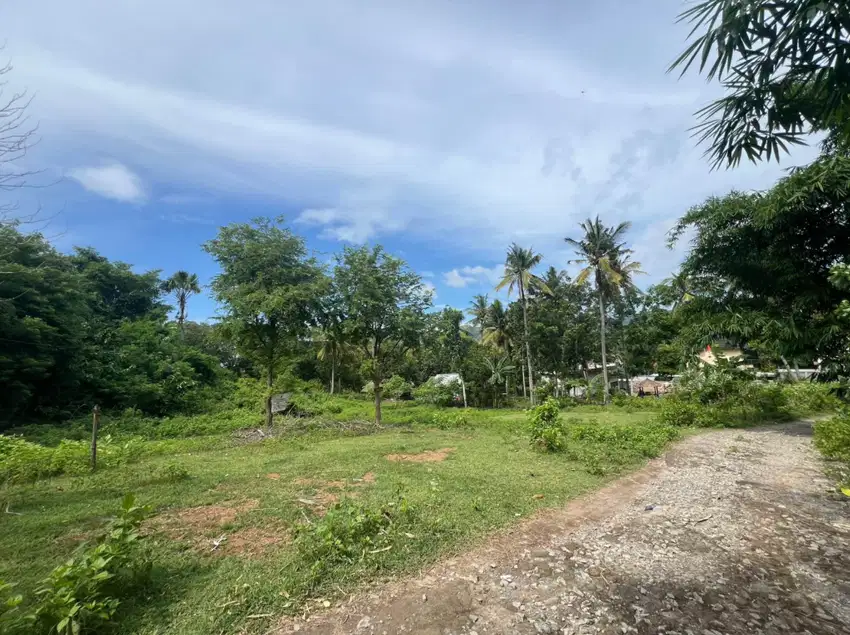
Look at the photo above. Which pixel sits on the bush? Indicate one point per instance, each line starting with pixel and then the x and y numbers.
pixel 397 388
pixel 22 461
pixel 832 436
pixel 601 448
pixel 82 595
pixel 680 412
pixel 547 431
pixel 725 396
pixel 631 402
pixel 171 473
pixel 350 532
pixel 439 394
pixel 448 420
pixel 810 397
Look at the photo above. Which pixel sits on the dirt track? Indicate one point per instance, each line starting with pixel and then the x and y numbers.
pixel 731 532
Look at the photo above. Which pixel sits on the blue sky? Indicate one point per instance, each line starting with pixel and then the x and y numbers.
pixel 444 130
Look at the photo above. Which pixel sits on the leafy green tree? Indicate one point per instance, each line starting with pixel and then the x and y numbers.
pixel 44 315
pixel 519 264
pixel 116 291
pixel 606 258
pixel 784 66
pixel 384 303
pixel 770 255
pixel 269 288
pixel 183 285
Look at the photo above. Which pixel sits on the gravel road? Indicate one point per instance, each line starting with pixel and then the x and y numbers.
pixel 731 532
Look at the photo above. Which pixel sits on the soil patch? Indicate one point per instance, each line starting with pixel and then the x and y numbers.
pixel 251 542
pixel 326 493
pixel 190 522
pixel 428 456
pixel 204 528
pixel 273 476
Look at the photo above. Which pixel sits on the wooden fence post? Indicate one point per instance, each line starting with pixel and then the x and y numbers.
pixel 95 420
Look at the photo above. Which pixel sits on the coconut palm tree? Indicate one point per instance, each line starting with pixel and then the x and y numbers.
pixel 608 260
pixel 478 310
pixel 519 264
pixel 182 284
pixel 495 331
pixel 680 285
pixel 499 368
pixel 332 346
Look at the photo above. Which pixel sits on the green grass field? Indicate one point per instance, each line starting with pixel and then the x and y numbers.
pixel 255 493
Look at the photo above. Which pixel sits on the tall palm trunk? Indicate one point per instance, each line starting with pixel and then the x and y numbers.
pixel 527 343
pixel 181 317
pixel 602 338
pixel 333 372
pixel 522 370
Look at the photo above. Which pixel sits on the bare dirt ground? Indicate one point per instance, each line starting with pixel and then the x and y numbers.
pixel 731 532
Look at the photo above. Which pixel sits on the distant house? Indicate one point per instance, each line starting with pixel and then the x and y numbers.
pixel 650 386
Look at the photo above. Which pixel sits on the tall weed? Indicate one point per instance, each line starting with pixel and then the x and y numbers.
pixel 82 595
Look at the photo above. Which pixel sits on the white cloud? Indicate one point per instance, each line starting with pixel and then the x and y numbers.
pixel 454 279
pixel 465 276
pixel 427 274
pixel 418 117
pixel 359 215
pixel 113 181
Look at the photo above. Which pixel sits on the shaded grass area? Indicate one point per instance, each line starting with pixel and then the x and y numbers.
pixel 491 478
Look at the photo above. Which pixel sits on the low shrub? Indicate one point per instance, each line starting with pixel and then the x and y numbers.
pixel 832 436
pixel 807 397
pixel 603 448
pixel 396 387
pixel 350 532
pixel 724 396
pixel 83 594
pixel 22 461
pixel 678 411
pixel 171 473
pixel 631 402
pixel 447 420
pixel 545 426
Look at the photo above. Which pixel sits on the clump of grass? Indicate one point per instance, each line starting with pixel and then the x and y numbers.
pixel 351 537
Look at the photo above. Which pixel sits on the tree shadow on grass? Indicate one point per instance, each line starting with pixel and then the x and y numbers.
pixel 152 605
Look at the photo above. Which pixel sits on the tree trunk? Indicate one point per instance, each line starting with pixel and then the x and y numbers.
pixel 463 388
pixel 333 368
pixel 269 384
pixel 527 344
pixel 506 387
pixel 522 370
pixel 378 394
pixel 602 338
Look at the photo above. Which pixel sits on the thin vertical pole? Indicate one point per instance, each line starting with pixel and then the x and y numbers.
pixel 95 420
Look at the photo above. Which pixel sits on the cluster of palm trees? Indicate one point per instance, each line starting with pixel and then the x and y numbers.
pixel 606 262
